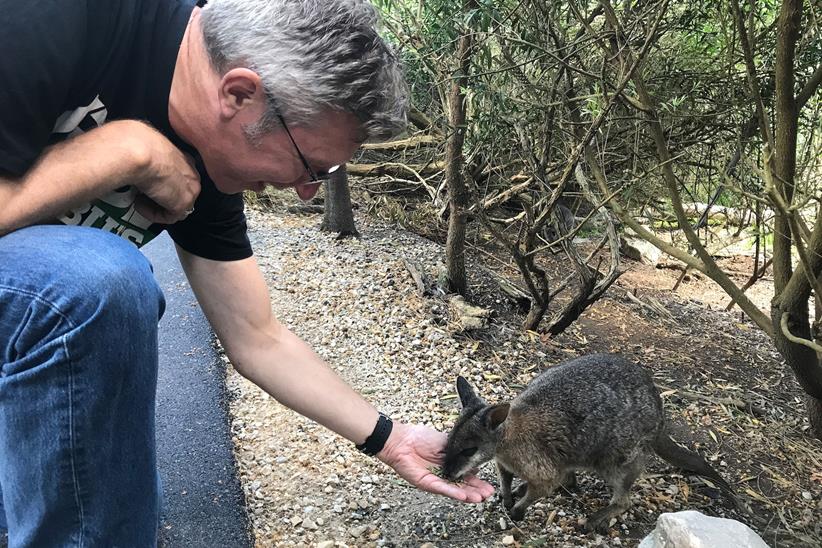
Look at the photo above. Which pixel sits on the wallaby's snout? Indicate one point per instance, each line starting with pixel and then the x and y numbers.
pixel 473 440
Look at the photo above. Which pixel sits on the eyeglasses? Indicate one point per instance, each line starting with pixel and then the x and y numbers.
pixel 316 176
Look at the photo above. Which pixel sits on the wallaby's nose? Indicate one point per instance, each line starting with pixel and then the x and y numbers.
pixel 449 470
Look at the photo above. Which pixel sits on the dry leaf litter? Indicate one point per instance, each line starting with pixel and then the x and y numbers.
pixel 355 302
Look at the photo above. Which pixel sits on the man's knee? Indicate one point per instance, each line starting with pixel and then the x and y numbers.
pixel 81 272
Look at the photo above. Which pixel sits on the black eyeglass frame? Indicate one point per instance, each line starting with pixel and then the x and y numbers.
pixel 316 177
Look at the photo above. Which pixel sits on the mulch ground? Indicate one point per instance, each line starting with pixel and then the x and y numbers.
pixel 728 393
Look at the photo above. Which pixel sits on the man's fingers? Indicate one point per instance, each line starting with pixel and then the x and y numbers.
pixel 151 211
pixel 483 487
pixel 156 213
pixel 450 490
pixel 463 492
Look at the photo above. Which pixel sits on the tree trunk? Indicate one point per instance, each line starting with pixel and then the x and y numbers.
pixel 792 288
pixel 457 189
pixel 787 33
pixel 338 215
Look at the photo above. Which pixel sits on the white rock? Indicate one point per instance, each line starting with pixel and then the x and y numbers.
pixel 692 529
pixel 326 544
pixel 640 250
pixel 508 539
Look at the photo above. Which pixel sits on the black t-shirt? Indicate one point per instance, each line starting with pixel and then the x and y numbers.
pixel 69 65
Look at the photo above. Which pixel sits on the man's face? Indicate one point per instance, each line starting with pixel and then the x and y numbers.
pixel 237 163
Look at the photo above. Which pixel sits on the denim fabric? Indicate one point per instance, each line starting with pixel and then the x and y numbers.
pixel 78 372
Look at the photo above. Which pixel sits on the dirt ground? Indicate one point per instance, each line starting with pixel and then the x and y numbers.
pixel 725 388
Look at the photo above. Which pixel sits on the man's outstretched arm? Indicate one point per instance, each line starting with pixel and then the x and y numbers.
pixel 235 300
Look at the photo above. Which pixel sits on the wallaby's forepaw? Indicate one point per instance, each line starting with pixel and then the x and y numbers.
pixel 520 491
pixel 508 502
pixel 570 483
pixel 598 522
pixel 516 514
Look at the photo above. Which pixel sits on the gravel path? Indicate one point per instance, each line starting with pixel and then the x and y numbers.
pixel 355 303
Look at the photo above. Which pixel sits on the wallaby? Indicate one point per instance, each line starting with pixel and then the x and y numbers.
pixel 562 223
pixel 599 413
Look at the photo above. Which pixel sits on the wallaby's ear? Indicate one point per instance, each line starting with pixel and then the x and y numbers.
pixel 467 395
pixel 497 415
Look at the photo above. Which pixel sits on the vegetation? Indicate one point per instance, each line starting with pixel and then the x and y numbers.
pixel 699 119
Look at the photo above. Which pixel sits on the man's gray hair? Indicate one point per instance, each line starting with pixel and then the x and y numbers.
pixel 312 55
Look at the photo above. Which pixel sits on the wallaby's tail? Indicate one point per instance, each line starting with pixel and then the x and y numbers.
pixel 677 455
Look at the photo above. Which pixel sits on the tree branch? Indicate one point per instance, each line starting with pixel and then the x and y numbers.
pixel 783 323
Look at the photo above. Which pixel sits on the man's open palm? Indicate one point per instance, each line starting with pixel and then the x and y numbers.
pixel 413 451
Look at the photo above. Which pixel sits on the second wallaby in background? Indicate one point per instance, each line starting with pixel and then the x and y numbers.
pixel 599 413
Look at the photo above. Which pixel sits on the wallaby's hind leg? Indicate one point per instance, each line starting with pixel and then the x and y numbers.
pixel 620 479
pixel 534 492
pixel 505 478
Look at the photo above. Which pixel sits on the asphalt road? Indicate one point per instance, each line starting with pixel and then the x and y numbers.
pixel 203 502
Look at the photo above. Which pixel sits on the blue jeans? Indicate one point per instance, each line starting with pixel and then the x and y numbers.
pixel 78 374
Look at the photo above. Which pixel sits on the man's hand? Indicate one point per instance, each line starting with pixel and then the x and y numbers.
pixel 412 451
pixel 168 184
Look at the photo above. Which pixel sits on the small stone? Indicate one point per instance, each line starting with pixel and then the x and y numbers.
pixel 508 539
pixel 385 507
pixel 357 531
pixel 325 544
pixel 807 495
pixel 428 545
pixel 281 460
pixel 502 525
pixel 308 524
pixel 296 520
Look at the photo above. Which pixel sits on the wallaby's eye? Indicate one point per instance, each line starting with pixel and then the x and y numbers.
pixel 468 452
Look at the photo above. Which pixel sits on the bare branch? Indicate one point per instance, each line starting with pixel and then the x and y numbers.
pixel 793 338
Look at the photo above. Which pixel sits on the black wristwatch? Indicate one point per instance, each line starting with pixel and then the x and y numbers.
pixel 376 441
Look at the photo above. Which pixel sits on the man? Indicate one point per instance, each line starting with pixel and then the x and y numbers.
pixel 198 105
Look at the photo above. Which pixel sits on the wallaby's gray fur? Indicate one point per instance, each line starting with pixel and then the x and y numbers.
pixel 562 223
pixel 600 413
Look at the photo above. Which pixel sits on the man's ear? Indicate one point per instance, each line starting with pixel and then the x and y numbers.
pixel 497 415
pixel 241 88
pixel 466 393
